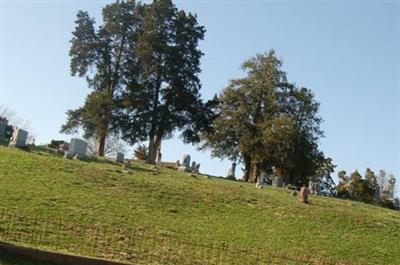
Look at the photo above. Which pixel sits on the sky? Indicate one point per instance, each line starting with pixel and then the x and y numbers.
pixel 346 52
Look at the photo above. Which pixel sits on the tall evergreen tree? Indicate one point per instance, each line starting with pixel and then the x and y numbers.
pixel 163 87
pixel 101 56
pixel 265 121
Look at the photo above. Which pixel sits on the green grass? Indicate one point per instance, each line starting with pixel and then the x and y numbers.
pixel 209 209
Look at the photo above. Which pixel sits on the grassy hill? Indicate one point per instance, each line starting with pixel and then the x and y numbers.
pixel 195 206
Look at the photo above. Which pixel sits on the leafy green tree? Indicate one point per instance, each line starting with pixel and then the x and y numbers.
pixel 342 187
pixel 101 56
pixel 323 176
pixel 372 187
pixel 356 186
pixel 265 121
pixel 163 88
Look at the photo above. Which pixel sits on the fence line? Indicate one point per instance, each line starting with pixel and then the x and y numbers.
pixel 135 246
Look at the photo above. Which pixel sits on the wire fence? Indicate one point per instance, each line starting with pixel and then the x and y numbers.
pixel 134 246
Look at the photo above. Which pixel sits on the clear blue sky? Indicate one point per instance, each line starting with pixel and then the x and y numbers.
pixel 347 53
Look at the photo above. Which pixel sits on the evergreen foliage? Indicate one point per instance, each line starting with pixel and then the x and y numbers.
pixel 265 121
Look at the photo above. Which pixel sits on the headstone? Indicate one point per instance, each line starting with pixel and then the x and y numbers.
pixel 177 163
pixel 185 164
pixel 197 169
pixel 186 160
pixel 193 167
pixel 277 181
pixel 19 138
pixel 263 179
pixel 231 172
pixel 304 194
pixel 120 157
pixel 3 128
pixel 77 147
pixel 314 187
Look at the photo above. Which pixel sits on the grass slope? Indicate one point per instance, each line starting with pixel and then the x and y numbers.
pixel 209 208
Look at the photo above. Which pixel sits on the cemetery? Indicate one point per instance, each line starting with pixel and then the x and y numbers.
pixel 101 186
pixel 172 133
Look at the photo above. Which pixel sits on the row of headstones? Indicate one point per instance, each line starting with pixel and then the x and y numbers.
pixel 77 148
pixel 314 187
pixel 265 179
pixel 185 166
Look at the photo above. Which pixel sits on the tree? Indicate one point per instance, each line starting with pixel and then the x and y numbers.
pixel 323 176
pixel 101 56
pixel 357 187
pixel 372 187
pixel 264 121
pixel 342 187
pixel 162 92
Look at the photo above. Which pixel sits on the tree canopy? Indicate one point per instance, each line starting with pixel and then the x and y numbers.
pixel 101 56
pixel 163 88
pixel 265 121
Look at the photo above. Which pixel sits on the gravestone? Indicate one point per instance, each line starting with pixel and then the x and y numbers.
pixel 314 187
pixel 3 128
pixel 18 138
pixel 159 155
pixel 185 165
pixel 77 147
pixel 120 157
pixel 304 194
pixel 197 169
pixel 277 181
pixel 231 172
pixel 263 179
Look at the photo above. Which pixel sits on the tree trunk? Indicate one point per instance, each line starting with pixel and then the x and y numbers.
pixel 100 145
pixel 255 173
pixel 154 143
pixel 247 168
pixel 151 156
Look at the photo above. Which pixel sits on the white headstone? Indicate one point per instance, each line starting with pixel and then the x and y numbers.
pixel 77 147
pixel 3 128
pixel 120 157
pixel 19 138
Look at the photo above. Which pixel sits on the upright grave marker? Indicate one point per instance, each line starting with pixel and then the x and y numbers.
pixel 18 138
pixel 77 148
pixel 185 165
pixel 120 157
